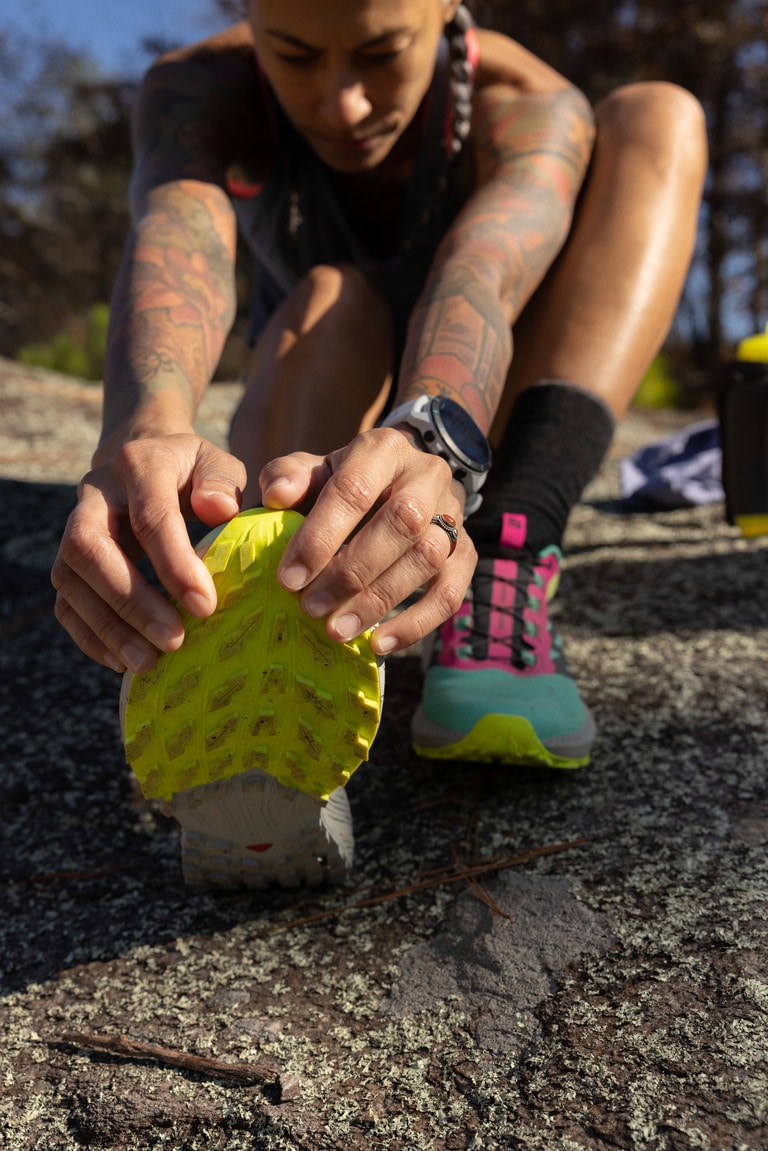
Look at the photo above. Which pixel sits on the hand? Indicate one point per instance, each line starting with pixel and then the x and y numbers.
pixel 378 496
pixel 130 506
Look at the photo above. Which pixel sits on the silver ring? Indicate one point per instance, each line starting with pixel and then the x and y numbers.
pixel 448 524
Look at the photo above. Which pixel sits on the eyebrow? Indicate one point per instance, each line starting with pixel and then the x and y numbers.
pixel 295 42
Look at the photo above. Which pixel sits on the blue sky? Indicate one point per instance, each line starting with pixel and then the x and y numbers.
pixel 111 31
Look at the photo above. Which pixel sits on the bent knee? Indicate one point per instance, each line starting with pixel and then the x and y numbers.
pixel 344 288
pixel 659 115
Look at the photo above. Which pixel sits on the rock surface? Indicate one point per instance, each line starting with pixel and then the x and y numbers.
pixel 609 994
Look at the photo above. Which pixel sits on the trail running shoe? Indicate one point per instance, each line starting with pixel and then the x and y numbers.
pixel 498 688
pixel 252 728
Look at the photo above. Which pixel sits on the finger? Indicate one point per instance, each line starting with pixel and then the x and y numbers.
pixel 426 565
pixel 87 640
pixel 131 625
pixel 293 481
pixel 441 600
pixel 216 486
pixel 355 478
pixel 152 482
pixel 377 464
pixel 402 527
pixel 371 577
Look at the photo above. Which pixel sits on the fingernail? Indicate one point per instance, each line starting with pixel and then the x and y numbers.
pixel 347 627
pixel 162 636
pixel 318 605
pixel 198 604
pixel 135 658
pixel 215 495
pixel 384 644
pixel 295 577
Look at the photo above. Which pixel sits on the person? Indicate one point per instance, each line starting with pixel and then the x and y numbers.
pixel 415 194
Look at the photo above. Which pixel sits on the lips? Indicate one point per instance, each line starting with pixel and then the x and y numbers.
pixel 354 143
pixel 351 143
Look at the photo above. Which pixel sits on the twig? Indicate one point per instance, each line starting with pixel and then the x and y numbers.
pixel 449 875
pixel 64 875
pixel 287 1085
pixel 480 890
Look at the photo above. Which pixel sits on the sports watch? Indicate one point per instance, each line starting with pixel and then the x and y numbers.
pixel 446 429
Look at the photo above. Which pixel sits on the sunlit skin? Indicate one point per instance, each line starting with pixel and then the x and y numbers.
pixel 352 75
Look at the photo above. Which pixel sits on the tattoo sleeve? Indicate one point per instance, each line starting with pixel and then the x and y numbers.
pixel 531 155
pixel 174 299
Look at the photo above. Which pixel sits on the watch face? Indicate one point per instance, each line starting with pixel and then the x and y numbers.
pixel 461 434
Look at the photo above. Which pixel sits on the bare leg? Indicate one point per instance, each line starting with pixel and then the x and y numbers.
pixel 606 307
pixel 321 372
pixel 597 321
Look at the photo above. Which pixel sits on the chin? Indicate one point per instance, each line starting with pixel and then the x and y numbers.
pixel 352 157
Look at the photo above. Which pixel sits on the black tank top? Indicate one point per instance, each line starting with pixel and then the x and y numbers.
pixel 294 221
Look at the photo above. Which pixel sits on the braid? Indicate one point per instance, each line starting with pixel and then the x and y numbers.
pixel 462 72
pixel 461 78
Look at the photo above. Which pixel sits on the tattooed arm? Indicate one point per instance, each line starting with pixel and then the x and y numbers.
pixel 174 299
pixel 531 155
pixel 172 306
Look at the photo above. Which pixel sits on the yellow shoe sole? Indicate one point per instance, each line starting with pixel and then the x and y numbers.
pixel 497 739
pixel 257 691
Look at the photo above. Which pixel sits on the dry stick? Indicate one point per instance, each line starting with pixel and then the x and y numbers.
pixel 66 873
pixel 485 867
pixel 288 1085
pixel 481 891
pixel 135 1049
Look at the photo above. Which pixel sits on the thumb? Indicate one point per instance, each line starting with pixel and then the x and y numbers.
pixel 216 486
pixel 292 481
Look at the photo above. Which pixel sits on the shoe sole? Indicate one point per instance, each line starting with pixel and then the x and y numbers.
pixel 252 728
pixel 500 739
pixel 250 831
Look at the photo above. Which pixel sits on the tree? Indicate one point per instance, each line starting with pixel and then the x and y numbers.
pixel 719 51
pixel 64 170
pixel 65 155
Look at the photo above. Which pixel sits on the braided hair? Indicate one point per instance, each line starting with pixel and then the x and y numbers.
pixel 461 78
pixel 462 74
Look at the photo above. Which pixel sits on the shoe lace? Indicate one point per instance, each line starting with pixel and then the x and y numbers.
pixel 474 625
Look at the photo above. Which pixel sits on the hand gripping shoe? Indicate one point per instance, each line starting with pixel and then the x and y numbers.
pixel 252 728
pixel 497 687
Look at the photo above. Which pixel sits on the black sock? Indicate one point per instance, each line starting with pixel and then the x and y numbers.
pixel 557 436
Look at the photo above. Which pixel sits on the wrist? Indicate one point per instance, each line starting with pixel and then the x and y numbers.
pixel 441 426
pixel 149 421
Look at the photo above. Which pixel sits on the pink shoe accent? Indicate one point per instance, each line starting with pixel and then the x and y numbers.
pixel 531 598
pixel 513 529
pixel 454 634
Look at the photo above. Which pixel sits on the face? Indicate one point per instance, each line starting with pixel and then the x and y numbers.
pixel 349 74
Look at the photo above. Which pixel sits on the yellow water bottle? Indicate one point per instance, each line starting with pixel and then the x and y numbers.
pixel 743 406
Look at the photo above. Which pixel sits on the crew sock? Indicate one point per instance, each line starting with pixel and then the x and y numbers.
pixel 554 443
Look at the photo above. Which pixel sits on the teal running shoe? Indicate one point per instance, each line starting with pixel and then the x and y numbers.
pixel 497 687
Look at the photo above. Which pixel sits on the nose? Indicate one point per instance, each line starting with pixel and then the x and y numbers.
pixel 344 102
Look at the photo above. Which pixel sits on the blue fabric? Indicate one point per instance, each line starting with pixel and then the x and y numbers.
pixel 680 471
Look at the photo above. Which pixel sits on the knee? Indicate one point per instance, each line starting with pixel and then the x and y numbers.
pixel 663 119
pixel 343 295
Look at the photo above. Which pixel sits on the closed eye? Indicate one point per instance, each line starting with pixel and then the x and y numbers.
pixel 296 61
pixel 382 57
